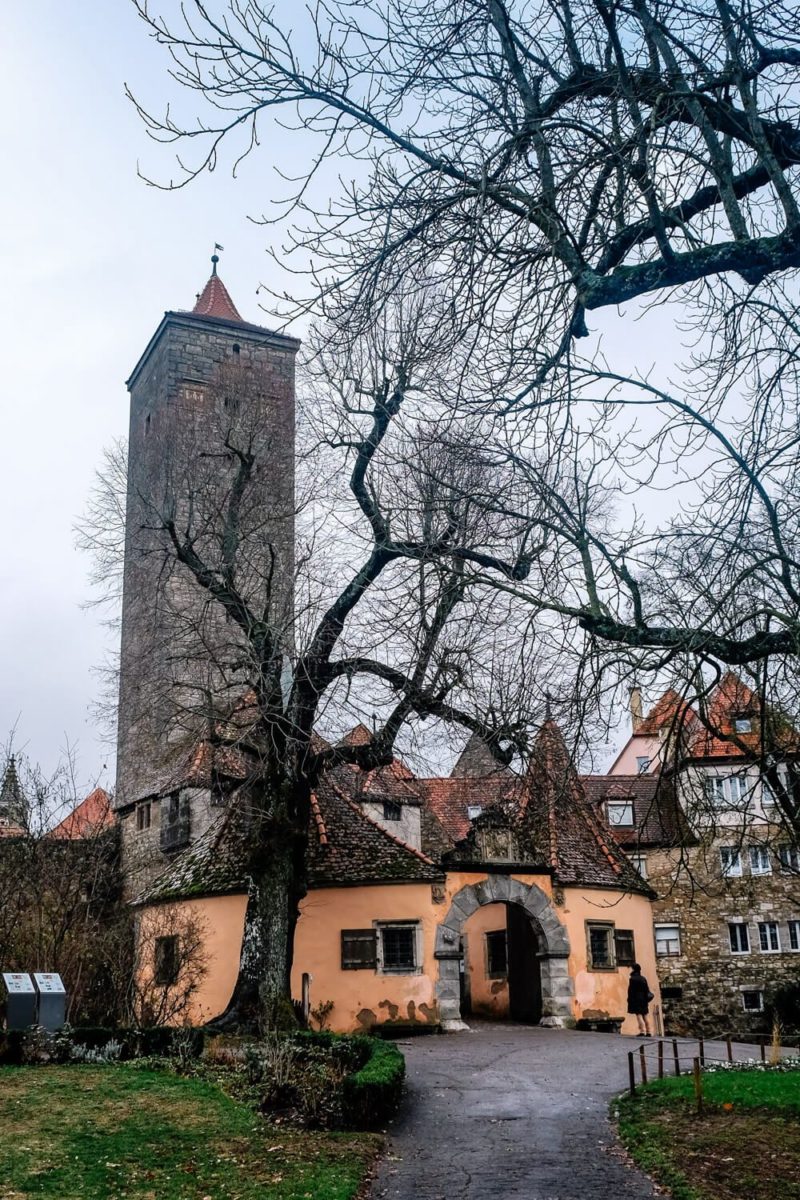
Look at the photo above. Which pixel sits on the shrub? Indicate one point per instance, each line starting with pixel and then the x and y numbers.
pixel 371 1095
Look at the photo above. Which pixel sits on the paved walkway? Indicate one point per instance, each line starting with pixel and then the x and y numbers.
pixel 510 1112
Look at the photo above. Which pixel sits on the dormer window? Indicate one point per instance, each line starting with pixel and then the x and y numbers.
pixel 743 724
pixel 620 812
pixel 474 811
pixel 392 811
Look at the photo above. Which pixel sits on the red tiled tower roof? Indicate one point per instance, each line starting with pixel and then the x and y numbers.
pixel 87 819
pixel 215 301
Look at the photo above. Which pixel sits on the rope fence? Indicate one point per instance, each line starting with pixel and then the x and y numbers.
pixel 683 1056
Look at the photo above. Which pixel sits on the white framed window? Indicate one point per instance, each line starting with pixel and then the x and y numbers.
pixel 642 764
pixel 794 934
pixel 639 863
pixel 620 812
pixel 760 861
pixel 731 859
pixel 739 937
pixel 668 941
pixel 752 1000
pixel 474 811
pixel 769 937
pixel 398 947
pixel 715 791
pixel 738 788
pixel 743 724
pixel 790 858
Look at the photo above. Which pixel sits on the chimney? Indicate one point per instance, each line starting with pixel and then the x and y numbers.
pixel 636 708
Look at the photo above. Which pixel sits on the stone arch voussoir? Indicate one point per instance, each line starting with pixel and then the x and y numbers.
pixel 553 955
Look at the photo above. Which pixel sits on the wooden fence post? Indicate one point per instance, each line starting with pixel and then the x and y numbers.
pixel 702 1047
pixel 698 1085
pixel 675 1056
pixel 660 1059
pixel 643 1064
pixel 763 1046
pixel 730 1048
pixel 631 1073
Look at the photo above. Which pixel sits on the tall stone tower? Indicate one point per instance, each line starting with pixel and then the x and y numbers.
pixel 208 388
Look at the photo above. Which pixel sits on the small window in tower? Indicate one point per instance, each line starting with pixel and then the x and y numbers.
pixel 147 423
pixel 236 347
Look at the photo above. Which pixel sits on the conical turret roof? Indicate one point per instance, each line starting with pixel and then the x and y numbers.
pixel 215 300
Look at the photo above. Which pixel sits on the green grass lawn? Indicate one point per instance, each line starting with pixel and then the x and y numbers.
pixel 114 1132
pixel 744 1146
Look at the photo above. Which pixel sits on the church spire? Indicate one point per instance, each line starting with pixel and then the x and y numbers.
pixel 13 807
pixel 214 300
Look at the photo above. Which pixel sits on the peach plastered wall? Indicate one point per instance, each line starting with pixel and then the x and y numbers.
pixel 219 920
pixel 362 998
pixel 605 993
pixel 488 997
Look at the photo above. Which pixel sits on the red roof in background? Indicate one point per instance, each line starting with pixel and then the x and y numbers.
pixel 87 818
pixel 215 301
pixel 664 713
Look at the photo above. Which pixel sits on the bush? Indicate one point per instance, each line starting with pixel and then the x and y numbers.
pixel 327 1080
pixel 98 1043
pixel 372 1094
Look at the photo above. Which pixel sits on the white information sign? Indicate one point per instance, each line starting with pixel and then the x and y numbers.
pixel 48 982
pixel 17 983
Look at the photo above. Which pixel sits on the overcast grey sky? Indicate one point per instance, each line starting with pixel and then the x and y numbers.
pixel 91 259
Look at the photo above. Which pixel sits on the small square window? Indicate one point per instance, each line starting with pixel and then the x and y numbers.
pixel 642 764
pixel 752 1000
pixel 760 863
pixel 624 949
pixel 620 812
pixel 668 941
pixel 739 937
pixel 392 811
pixel 143 816
pixel 398 948
pixel 166 961
pixel 474 811
pixel 794 935
pixel 496 954
pixel 743 724
pixel 731 860
pixel 769 937
pixel 600 937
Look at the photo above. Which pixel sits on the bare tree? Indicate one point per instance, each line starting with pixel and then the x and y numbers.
pixel 545 158
pixel 397 556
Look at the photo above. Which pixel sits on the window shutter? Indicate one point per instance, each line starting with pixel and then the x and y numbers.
pixel 359 949
pixel 624 948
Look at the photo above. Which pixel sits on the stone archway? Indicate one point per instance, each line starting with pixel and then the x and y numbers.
pixel 556 983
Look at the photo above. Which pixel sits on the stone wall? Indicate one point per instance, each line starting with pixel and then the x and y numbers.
pixel 710 978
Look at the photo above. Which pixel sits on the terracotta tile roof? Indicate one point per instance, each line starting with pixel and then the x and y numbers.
pixel 664 714
pixel 215 301
pixel 87 818
pixel 658 819
pixel 715 735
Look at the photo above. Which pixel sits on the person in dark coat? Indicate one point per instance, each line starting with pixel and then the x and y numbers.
pixel 639 997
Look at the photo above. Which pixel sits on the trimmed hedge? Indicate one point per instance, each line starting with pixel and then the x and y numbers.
pixel 372 1094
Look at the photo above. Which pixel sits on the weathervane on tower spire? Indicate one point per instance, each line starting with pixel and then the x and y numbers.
pixel 215 257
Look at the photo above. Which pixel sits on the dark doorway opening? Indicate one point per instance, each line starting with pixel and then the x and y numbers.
pixel 524 971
